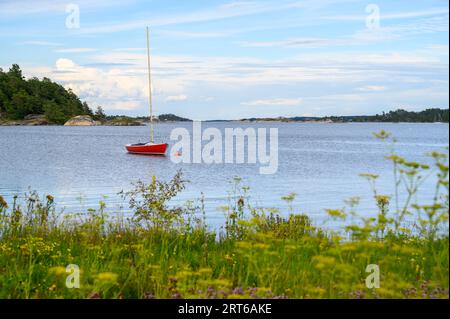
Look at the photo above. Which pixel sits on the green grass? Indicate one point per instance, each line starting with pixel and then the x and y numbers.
pixel 169 252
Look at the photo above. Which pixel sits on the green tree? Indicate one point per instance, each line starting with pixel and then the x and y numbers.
pixel 100 114
pixel 86 109
pixel 20 105
pixel 53 113
pixel 3 100
pixel 16 72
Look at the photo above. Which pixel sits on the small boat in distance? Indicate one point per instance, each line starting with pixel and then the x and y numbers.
pixel 147 148
pixel 150 148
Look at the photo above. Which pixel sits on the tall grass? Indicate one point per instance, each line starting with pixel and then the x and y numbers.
pixel 164 251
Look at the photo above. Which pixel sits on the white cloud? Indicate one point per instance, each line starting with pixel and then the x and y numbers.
pixel 65 65
pixel 392 16
pixel 372 88
pixel 124 105
pixel 439 49
pixel 298 42
pixel 274 102
pixel 363 36
pixel 113 88
pixel 191 34
pixel 27 7
pixel 225 11
pixel 176 98
pixel 129 49
pixel 76 50
pixel 200 16
pixel 41 43
pixel 350 80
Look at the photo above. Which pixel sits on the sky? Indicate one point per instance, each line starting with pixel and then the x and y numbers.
pixel 228 59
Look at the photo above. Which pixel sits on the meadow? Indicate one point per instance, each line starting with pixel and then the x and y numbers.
pixel 167 251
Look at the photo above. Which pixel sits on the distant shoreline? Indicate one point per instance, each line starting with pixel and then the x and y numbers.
pixel 24 123
pixel 398 116
pixel 20 124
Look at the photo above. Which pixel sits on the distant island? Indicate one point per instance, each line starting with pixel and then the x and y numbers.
pixel 44 102
pixel 38 101
pixel 427 116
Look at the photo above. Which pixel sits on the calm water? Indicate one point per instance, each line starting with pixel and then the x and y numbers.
pixel 320 162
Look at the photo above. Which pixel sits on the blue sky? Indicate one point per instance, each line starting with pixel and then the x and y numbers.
pixel 235 59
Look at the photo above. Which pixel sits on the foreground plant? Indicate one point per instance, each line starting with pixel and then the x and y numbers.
pixel 166 251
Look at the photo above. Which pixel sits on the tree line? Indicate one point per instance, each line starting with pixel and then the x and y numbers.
pixel 427 116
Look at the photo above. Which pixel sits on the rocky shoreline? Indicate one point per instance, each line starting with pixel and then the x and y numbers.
pixel 87 120
pixel 90 122
pixel 81 120
pixel 30 120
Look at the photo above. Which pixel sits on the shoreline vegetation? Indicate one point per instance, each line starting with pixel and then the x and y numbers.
pixel 432 115
pixel 166 251
pixel 43 102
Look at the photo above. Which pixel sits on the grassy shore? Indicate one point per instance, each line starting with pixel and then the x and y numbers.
pixel 169 252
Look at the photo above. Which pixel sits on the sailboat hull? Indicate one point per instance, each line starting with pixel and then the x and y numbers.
pixel 147 149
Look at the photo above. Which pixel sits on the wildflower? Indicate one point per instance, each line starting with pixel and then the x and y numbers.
pixel 290 247
pixel 184 274
pixel 382 135
pixel 322 262
pixel 229 258
pixel 369 176
pixel 154 267
pixel 236 296
pixel 337 213
pixel 261 246
pixel 237 291
pixel 3 203
pixel 94 295
pixel 107 277
pixel 241 245
pixel 205 271
pixel 396 159
pixel 50 199
pixel 177 295
pixel 58 271
pixel 382 200
pixel 149 295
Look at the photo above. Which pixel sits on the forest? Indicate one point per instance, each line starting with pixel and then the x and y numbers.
pixel 20 97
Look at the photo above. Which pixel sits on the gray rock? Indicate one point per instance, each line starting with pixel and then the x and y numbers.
pixel 81 120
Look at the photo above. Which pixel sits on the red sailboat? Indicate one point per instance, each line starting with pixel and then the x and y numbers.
pixel 147 148
pixel 150 148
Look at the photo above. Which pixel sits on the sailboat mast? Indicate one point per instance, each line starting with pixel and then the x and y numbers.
pixel 150 87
